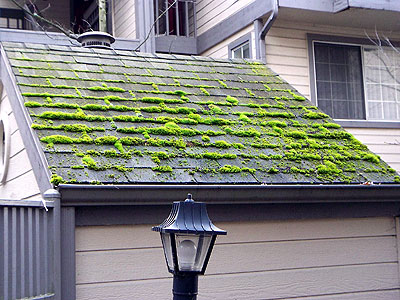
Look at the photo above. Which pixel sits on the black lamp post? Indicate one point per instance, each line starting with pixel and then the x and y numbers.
pixel 188 237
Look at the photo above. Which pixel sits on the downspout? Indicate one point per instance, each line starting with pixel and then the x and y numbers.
pixel 261 33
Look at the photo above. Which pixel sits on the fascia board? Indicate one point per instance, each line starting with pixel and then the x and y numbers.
pixel 31 141
pixel 88 195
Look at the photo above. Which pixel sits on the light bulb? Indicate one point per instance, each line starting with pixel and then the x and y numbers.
pixel 186 255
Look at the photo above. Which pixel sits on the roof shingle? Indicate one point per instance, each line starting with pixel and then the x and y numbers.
pixel 107 116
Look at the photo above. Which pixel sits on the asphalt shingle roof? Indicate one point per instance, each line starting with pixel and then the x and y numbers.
pixel 109 116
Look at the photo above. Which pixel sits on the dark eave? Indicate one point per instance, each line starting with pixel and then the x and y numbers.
pixel 98 195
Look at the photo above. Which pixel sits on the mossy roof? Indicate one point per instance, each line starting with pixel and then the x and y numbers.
pixel 109 116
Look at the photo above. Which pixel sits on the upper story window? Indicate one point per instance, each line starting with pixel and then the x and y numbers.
pixel 242 51
pixel 357 82
pixel 175 17
pixel 12 18
pixel 241 47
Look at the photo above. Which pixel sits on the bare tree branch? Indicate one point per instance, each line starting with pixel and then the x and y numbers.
pixel 154 24
pixel 36 16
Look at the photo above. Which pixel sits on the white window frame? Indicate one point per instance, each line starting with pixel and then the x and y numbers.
pixel 347 41
pixel 240 42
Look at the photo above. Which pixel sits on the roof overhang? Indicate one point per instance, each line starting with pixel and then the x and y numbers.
pixel 90 195
pixel 355 17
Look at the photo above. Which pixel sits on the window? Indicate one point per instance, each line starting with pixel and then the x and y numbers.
pixel 179 20
pixel 242 51
pixel 357 82
pixel 241 48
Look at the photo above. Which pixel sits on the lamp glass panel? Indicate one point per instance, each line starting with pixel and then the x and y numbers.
pixel 166 240
pixel 192 251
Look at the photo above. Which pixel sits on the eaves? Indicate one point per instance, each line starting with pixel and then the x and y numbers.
pixel 105 195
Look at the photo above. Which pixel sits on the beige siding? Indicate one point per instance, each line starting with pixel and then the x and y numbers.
pixel 7 4
pixel 354 257
pixel 384 142
pixel 287 49
pixel 20 181
pixel 221 50
pixel 124 19
pixel 211 12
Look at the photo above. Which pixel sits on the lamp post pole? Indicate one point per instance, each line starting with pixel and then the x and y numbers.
pixel 185 287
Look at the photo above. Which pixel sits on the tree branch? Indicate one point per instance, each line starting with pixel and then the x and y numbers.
pixel 155 22
pixel 44 20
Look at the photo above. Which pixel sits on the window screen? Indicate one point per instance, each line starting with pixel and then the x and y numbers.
pixel 339 80
pixel 382 83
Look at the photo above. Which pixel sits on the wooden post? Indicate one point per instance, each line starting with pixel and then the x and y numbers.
pixel 102 16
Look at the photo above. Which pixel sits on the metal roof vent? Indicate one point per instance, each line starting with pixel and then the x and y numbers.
pixel 96 39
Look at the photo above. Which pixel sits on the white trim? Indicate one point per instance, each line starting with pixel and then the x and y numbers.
pixel 5 140
pixel 362 48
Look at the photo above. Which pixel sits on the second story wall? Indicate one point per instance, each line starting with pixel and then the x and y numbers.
pixel 124 19
pixel 211 12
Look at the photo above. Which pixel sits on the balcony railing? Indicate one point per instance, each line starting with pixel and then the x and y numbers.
pixel 179 20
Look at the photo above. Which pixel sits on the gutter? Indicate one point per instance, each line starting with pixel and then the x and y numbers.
pixel 105 195
pixel 260 45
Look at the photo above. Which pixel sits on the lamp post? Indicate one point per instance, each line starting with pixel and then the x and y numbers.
pixel 188 237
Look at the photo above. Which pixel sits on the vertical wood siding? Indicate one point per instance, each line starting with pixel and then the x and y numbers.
pixel 211 12
pixel 308 259
pixel 20 182
pixel 124 19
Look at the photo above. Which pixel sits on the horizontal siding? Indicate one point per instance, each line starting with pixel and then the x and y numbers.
pixel 287 49
pixel 287 55
pixel 221 50
pixel 7 4
pixel 124 19
pixel 211 12
pixel 20 173
pixel 384 142
pixel 293 258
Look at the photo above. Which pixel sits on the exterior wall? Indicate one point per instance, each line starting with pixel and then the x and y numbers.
pixel 303 259
pixel 221 50
pixel 7 4
pixel 124 25
pixel 54 9
pixel 287 55
pixel 287 49
pixel 385 142
pixel 20 181
pixel 211 12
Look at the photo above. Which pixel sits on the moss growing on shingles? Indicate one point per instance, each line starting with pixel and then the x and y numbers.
pixel 251 132
pixel 161 100
pixel 79 115
pixel 315 115
pixel 162 169
pixel 67 127
pixel 205 92
pixel 232 100
pixel 235 169
pixel 56 180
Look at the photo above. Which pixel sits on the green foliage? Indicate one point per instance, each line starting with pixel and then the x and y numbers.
pixel 297 134
pixel 162 169
pixel 315 115
pixel 89 162
pixel 235 169
pixel 232 100
pixel 205 92
pixel 56 180
pixel 328 168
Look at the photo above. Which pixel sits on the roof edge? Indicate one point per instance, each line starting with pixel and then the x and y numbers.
pixel 98 195
pixel 31 142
